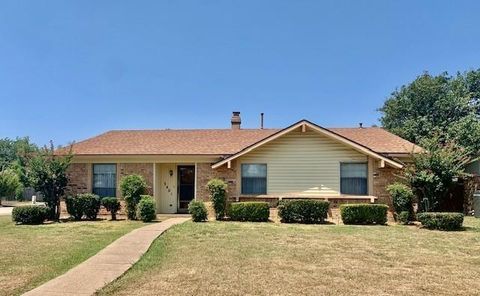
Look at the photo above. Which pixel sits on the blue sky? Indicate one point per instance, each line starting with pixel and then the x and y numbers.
pixel 73 69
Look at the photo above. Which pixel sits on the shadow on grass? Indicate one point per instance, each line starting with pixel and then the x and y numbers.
pixel 269 221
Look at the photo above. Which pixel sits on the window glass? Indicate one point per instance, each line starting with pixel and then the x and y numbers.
pixel 104 179
pixel 353 178
pixel 254 179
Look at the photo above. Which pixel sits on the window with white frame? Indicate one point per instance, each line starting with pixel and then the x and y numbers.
pixel 354 178
pixel 254 178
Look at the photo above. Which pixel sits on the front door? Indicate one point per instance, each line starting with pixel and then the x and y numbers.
pixel 186 186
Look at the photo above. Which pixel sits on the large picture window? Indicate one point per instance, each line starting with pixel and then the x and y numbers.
pixel 254 179
pixel 104 179
pixel 353 178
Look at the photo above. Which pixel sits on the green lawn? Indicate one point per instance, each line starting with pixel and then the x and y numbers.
pixel 32 255
pixel 227 258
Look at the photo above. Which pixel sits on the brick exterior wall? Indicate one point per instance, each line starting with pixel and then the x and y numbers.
pixel 79 181
pixel 205 173
pixel 382 177
pixel 143 169
pixel 80 176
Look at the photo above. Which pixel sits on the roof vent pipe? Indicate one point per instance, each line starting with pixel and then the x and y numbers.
pixel 236 120
pixel 261 120
pixel 360 125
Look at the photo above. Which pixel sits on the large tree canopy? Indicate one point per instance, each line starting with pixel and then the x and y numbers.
pixel 444 105
pixel 15 154
pixel 432 174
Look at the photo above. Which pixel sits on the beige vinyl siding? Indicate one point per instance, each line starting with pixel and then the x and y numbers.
pixel 304 163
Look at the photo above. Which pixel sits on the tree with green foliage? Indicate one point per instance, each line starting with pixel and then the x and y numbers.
pixel 435 171
pixel 48 174
pixel 16 154
pixel 443 105
pixel 9 184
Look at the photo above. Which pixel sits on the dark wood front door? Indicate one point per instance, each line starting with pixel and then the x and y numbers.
pixel 186 186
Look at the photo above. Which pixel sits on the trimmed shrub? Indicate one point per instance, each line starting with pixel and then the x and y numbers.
pixel 441 220
pixel 29 214
pixel 112 205
pixel 306 211
pixel 403 217
pixel 92 205
pixel 364 213
pixel 132 187
pixel 198 210
pixel 218 195
pixel 74 207
pixel 146 209
pixel 85 204
pixel 249 211
pixel 402 199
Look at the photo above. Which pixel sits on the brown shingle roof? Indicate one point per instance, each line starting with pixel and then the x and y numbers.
pixel 218 141
pixel 171 142
pixel 377 139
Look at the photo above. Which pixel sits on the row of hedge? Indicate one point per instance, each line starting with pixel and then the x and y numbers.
pixel 366 214
pixel 305 211
pixel 441 221
pixel 85 205
pixel 241 211
pixel 29 214
pixel 316 211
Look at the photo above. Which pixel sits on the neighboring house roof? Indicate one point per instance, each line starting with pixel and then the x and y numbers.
pixel 221 141
pixel 326 132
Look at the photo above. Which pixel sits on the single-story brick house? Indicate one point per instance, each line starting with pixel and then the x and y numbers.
pixel 303 160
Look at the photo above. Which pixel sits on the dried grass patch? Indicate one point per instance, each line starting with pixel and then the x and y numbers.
pixel 275 259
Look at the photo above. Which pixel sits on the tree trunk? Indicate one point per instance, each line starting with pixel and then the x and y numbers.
pixel 57 210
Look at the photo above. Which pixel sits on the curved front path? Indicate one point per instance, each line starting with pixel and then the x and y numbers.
pixel 107 265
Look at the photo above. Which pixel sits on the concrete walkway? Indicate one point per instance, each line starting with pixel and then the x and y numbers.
pixel 107 265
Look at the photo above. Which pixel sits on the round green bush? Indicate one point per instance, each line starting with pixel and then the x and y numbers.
pixel 249 211
pixel 441 220
pixel 364 214
pixel 306 211
pixel 92 206
pixel 403 217
pixel 402 199
pixel 198 211
pixel 132 187
pixel 218 195
pixel 29 214
pixel 146 209
pixel 84 204
pixel 112 205
pixel 74 207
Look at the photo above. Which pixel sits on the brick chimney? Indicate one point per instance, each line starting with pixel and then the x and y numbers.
pixel 236 120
